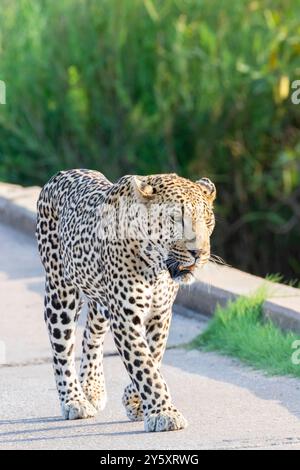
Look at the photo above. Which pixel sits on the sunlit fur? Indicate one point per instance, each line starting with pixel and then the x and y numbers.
pixel 130 281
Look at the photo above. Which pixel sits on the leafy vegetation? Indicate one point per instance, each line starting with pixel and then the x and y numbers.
pixel 239 330
pixel 145 86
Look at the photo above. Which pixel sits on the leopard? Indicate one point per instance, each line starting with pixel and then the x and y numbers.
pixel 123 248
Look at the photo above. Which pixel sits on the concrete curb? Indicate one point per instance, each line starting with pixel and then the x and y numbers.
pixel 18 206
pixel 220 284
pixel 216 285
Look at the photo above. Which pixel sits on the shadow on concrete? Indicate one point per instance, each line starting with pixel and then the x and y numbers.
pixel 283 390
pixel 86 426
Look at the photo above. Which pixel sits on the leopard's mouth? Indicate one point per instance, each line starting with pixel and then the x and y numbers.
pixel 178 272
pixel 189 268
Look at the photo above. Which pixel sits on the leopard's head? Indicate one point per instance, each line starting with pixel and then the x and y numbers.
pixel 182 221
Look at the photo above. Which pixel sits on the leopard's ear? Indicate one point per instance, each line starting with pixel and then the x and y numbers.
pixel 208 189
pixel 143 189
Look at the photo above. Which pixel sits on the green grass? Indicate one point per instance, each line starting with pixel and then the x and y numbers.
pixel 241 331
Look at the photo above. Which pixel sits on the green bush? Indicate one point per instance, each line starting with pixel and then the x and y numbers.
pixel 200 87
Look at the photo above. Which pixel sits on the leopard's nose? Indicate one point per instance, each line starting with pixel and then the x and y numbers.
pixel 195 254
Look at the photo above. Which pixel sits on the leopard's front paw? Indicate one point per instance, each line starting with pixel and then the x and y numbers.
pixel 78 409
pixel 133 404
pixel 168 420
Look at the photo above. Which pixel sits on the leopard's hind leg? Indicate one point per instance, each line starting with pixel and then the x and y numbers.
pixel 62 304
pixel 91 368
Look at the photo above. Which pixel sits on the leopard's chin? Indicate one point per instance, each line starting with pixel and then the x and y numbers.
pixel 182 277
pixel 185 278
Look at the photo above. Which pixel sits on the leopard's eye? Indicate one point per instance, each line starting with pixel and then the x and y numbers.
pixel 177 217
pixel 176 224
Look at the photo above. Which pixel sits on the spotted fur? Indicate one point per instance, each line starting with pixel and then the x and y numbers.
pixel 130 282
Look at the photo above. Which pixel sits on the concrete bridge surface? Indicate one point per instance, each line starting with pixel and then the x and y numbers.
pixel 228 406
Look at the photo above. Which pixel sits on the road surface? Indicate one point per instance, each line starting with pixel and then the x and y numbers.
pixel 228 406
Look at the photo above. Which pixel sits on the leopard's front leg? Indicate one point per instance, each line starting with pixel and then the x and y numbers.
pixel 159 412
pixel 157 330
